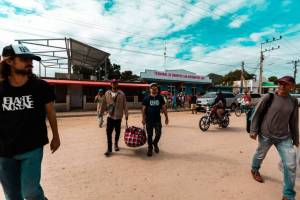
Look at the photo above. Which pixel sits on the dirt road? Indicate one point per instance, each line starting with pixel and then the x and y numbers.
pixel 192 165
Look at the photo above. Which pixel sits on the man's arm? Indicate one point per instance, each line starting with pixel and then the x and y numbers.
pixel 125 107
pixel 51 115
pixel 144 115
pixel 164 109
pixel 294 125
pixel 255 122
pixel 103 106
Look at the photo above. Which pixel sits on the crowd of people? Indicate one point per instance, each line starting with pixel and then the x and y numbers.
pixel 26 101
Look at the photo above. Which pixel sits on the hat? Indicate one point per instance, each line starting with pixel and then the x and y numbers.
pixel 286 79
pixel 153 84
pixel 100 90
pixel 114 81
pixel 20 51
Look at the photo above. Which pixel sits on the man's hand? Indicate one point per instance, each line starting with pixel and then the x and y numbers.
pixel 167 121
pixel 55 144
pixel 253 136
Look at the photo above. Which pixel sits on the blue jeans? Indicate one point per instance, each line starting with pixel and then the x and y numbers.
pixel 287 153
pixel 20 176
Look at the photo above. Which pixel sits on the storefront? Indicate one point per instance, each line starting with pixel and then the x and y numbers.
pixel 80 95
pixel 177 81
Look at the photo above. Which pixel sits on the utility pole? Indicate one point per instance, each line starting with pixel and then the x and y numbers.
pixel 165 56
pixel 262 59
pixel 242 77
pixel 295 62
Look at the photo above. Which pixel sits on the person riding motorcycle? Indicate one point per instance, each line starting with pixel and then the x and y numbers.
pixel 220 104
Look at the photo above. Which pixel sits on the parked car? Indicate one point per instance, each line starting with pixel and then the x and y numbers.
pixel 255 98
pixel 298 97
pixel 209 99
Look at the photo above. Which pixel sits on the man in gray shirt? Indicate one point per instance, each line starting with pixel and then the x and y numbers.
pixel 278 127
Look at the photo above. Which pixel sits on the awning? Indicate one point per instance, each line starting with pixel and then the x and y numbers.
pixel 85 55
pixel 269 85
pixel 94 83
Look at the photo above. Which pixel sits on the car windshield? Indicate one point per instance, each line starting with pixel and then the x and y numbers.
pixel 209 95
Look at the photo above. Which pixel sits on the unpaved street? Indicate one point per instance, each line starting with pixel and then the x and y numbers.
pixel 192 165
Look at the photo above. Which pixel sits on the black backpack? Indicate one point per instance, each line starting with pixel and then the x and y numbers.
pixel 262 116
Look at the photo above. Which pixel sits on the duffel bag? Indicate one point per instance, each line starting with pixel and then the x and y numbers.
pixel 135 137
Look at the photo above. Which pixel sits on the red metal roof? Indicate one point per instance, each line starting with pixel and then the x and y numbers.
pixel 93 83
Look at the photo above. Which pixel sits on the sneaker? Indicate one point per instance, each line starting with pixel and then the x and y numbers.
pixel 117 147
pixel 149 153
pixel 285 198
pixel 107 153
pixel 156 149
pixel 256 176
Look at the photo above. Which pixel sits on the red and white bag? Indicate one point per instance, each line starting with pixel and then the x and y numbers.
pixel 135 137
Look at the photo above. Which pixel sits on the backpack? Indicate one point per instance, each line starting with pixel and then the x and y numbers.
pixel 262 116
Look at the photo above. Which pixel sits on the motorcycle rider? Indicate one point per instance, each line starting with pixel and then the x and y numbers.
pixel 220 103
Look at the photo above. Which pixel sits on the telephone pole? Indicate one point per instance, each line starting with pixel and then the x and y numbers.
pixel 165 56
pixel 262 58
pixel 295 62
pixel 242 77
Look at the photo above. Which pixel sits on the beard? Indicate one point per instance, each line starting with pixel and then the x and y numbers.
pixel 27 71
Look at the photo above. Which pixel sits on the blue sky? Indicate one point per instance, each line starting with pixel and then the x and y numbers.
pixel 210 36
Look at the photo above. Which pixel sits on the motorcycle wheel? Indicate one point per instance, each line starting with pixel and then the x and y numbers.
pixel 238 111
pixel 225 122
pixel 204 123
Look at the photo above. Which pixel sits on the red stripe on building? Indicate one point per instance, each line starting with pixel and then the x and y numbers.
pixel 94 83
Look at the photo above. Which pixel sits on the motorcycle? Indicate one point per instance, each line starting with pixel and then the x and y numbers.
pixel 211 117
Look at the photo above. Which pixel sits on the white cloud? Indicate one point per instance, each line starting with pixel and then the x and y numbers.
pixel 142 22
pixel 238 21
pixel 256 37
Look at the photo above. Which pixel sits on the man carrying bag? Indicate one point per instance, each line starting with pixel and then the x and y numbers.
pixel 115 104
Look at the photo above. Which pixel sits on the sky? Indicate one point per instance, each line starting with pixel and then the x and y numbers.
pixel 202 36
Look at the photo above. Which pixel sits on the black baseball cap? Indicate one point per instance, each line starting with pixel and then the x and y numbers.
pixel 20 51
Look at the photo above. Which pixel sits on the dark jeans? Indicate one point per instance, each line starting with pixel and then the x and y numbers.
pixel 111 125
pixel 149 127
pixel 20 176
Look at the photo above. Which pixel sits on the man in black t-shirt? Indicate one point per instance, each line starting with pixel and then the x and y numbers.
pixel 25 101
pixel 152 105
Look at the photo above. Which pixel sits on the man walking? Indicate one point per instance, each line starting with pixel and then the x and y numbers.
pixel 278 127
pixel 99 100
pixel 194 104
pixel 115 104
pixel 152 105
pixel 25 101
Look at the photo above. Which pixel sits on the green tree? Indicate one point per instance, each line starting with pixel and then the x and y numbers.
pixel 216 78
pixel 235 76
pixel 129 76
pixel 273 79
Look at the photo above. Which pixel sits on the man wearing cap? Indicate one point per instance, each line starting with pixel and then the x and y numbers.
pixel 115 104
pixel 99 100
pixel 152 105
pixel 278 127
pixel 25 101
